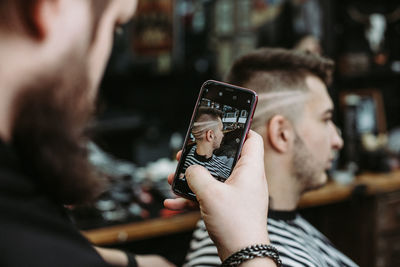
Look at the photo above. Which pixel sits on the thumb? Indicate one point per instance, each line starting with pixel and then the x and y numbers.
pixel 251 162
pixel 199 179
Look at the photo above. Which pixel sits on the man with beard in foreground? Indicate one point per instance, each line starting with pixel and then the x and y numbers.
pixel 294 117
pixel 52 56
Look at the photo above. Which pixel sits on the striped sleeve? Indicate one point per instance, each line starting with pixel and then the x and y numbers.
pixel 298 242
pixel 216 166
pixel 202 251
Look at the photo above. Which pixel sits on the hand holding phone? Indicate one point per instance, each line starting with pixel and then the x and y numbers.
pixel 218 128
pixel 235 212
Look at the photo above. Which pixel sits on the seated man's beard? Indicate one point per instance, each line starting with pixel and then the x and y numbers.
pixel 304 168
pixel 48 135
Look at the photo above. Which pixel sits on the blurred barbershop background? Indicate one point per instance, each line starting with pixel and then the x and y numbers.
pixel 160 60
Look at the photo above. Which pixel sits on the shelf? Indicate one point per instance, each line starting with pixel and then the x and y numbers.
pixel 368 183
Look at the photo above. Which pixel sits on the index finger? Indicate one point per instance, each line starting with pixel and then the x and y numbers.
pixel 171 178
pixel 172 175
pixel 178 155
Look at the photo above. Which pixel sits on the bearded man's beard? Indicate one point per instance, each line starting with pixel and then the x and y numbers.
pixel 49 133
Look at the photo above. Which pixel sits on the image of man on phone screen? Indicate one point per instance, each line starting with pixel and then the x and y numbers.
pixel 208 133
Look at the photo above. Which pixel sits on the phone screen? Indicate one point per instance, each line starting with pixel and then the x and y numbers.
pixel 217 131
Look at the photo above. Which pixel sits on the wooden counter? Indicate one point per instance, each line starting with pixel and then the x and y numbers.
pixel 142 230
pixel 331 193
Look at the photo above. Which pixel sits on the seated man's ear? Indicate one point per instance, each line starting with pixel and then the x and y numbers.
pixel 209 135
pixel 279 133
pixel 37 16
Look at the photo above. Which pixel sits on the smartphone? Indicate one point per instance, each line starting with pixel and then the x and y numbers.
pixel 220 122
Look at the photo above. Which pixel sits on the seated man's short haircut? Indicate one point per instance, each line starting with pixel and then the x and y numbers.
pixel 278 76
pixel 206 119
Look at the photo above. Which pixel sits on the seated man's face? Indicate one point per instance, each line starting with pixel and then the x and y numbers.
pixel 316 138
pixel 219 135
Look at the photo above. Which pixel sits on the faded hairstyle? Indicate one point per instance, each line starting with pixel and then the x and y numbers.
pixel 206 119
pixel 278 76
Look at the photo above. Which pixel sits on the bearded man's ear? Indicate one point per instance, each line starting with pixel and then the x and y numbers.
pixel 36 16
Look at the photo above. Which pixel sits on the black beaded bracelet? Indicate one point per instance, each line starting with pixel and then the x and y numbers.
pixel 252 252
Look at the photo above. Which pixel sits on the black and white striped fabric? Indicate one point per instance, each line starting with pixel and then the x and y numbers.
pixel 218 167
pixel 298 242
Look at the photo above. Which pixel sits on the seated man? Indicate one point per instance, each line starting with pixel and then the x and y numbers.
pixel 294 117
pixel 207 131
